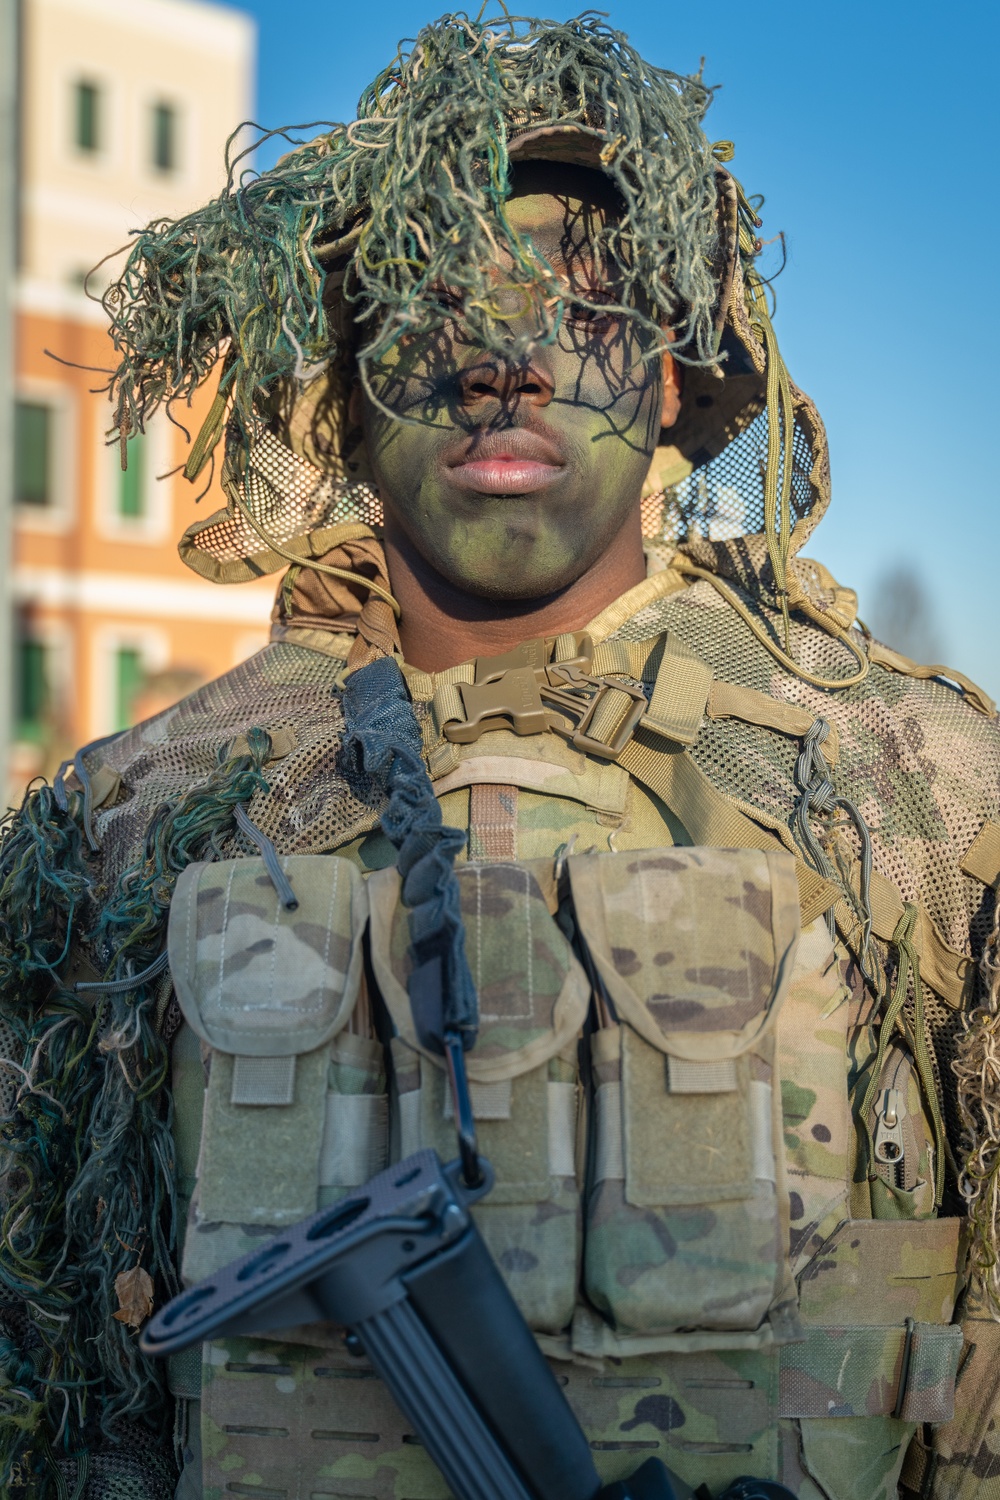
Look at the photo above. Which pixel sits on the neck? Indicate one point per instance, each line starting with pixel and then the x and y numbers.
pixel 442 625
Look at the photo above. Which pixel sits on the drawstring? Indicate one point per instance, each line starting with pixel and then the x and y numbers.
pixel 819 797
pixel 269 855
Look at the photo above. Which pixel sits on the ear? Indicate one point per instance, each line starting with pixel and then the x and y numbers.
pixel 671 390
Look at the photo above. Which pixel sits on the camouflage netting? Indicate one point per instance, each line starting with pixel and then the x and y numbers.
pixel 87 1189
pixel 413 204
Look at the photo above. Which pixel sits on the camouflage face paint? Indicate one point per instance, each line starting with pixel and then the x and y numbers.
pixel 511 477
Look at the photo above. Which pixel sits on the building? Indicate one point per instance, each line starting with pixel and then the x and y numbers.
pixel 125 108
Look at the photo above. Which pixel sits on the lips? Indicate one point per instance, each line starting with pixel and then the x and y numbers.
pixel 516 462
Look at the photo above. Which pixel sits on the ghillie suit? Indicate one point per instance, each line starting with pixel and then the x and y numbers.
pixel 860 792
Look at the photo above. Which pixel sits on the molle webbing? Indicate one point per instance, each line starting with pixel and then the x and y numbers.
pixel 297 1415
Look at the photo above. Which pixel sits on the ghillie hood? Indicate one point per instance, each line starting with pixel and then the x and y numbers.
pixel 299 278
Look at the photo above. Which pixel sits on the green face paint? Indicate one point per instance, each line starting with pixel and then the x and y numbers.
pixel 510 477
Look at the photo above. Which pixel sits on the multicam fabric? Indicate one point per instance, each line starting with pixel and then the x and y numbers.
pixel 924 767
pixel 695 1237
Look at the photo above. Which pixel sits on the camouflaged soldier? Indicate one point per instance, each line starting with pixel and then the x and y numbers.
pixel 499 381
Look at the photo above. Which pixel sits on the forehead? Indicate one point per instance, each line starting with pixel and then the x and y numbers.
pixel 561 207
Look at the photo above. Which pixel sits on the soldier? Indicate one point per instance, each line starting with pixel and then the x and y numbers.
pixel 498 380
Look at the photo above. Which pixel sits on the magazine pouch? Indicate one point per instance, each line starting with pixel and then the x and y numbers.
pixel 294 1107
pixel 523 1072
pixel 687 1213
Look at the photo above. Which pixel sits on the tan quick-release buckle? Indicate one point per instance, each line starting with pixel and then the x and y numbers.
pixel 527 691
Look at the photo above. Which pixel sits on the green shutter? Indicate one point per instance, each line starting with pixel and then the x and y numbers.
pixel 131 487
pixel 87 117
pixel 32 453
pixel 130 675
pixel 164 142
pixel 32 689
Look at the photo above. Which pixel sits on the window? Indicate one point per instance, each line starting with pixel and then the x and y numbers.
pixel 32 689
pixel 130 675
pixel 164 137
pixel 131 482
pixel 33 423
pixel 88 117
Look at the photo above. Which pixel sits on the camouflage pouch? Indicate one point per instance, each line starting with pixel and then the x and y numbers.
pixel 687 1216
pixel 294 1107
pixel 523 1072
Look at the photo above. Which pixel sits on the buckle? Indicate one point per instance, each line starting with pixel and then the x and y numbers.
pixel 526 691
pixel 511 701
pixel 608 712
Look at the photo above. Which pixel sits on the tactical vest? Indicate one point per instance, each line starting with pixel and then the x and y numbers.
pixel 668 1082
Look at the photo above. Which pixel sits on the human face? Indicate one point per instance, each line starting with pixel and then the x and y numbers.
pixel 517 473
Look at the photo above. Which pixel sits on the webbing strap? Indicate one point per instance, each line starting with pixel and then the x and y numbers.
pixel 492 823
pixel 904 1372
pixel 355 1139
pixel 982 858
pixel 916 1465
pixel 909 969
pixel 895 661
pixel 680 694
pixel 947 971
pixel 710 818
pixel 728 700
pixel 263 1081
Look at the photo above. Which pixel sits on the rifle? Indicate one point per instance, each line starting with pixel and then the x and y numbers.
pixel 401 1265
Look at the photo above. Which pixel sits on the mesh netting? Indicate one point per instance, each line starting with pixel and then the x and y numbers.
pixel 724 498
pixel 134 1469
pixel 288 498
pixel 308 807
pixel 721 501
pixel 8 1078
pixel 906 748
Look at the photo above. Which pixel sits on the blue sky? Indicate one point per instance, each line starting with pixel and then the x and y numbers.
pixel 870 129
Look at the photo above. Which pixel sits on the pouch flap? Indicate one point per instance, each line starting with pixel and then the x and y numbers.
pixel 255 979
pixel 533 994
pixel 694 946
pixel 883 1271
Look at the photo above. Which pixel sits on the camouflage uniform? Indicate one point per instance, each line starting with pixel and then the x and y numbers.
pixel 714 1062
pixel 868 1255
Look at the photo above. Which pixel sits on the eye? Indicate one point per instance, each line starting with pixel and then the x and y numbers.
pixel 579 315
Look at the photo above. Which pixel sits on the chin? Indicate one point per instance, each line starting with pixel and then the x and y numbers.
pixel 517 585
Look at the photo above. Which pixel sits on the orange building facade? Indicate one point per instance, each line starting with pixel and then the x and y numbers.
pixel 126 106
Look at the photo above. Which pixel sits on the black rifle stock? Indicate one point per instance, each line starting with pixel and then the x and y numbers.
pixel 401 1264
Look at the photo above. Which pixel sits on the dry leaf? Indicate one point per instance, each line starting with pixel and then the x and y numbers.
pixel 134 1290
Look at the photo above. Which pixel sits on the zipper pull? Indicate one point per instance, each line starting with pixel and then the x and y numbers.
pixel 889 1146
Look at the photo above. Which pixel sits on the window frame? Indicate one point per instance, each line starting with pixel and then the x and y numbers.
pixel 164 112
pixel 153 647
pixel 59 515
pixel 153 525
pixel 92 150
pixel 55 638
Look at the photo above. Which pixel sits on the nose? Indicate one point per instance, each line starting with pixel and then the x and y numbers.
pixel 491 378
